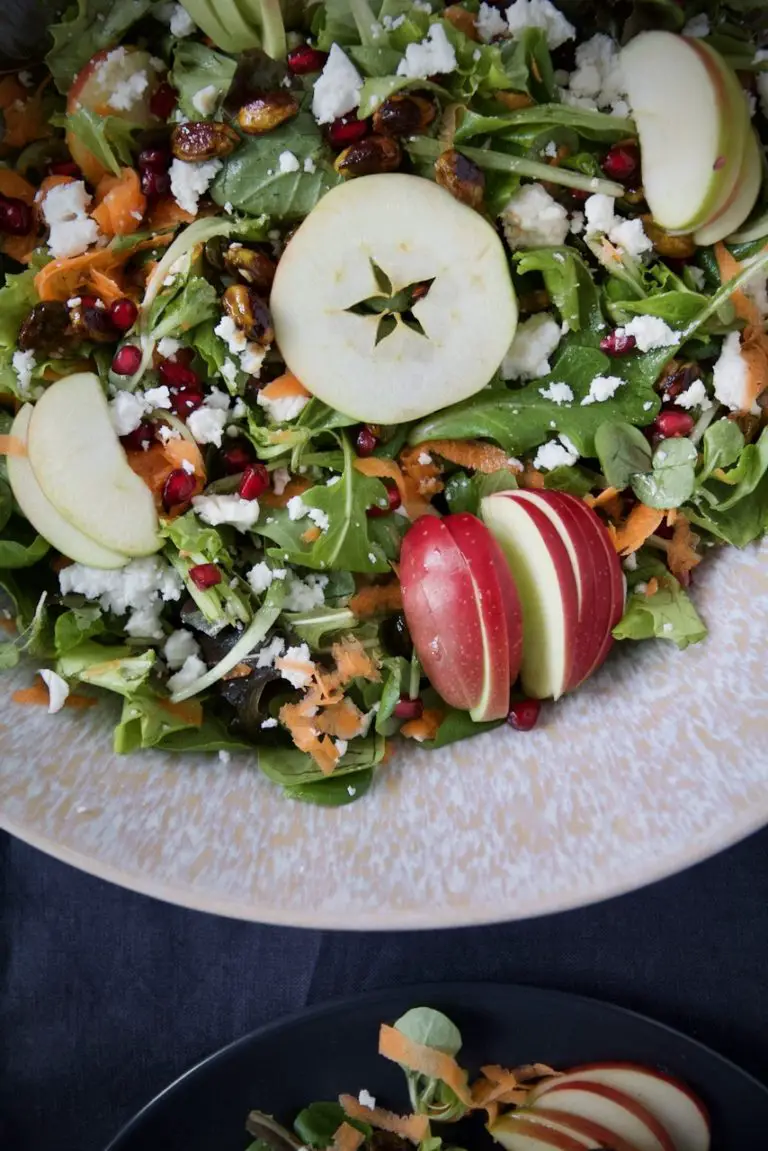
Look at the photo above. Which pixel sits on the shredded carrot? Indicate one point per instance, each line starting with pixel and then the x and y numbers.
pixel 299 666
pixel 165 214
pixel 476 455
pixel 24 118
pixel 283 387
pixel 62 279
pixel 295 487
pixel 155 465
pixel 428 1061
pixel 463 20
pixel 419 467
pixel 12 446
pixel 681 550
pixel 311 534
pixel 121 204
pixel 514 101
pixel 239 671
pixel 37 696
pixel 378 598
pixel 347 1138
pixel 413 502
pixel 425 727
pixel 344 720
pixel 324 691
pixel 353 661
pixel 609 500
pixel 728 267
pixel 307 737
pixel 413 1127
pixel 640 523
pixel 651 587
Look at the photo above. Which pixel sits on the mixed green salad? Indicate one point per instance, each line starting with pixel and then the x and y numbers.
pixel 286 282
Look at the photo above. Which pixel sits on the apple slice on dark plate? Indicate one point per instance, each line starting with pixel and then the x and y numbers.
pixel 334 1050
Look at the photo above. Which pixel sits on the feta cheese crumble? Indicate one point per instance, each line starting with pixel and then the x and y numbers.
pixel 365 1099
pixel 731 377
pixel 261 576
pixel 309 165
pixel 205 100
pixel 24 364
pixel 214 510
pixel 167 348
pixel 127 93
pixel 192 669
pixel 58 690
pixel 126 412
pixel 180 21
pixel 433 56
pixel 337 88
pixel 597 81
pixel 629 235
pixel 490 23
pixel 533 219
pixel 306 594
pixel 694 396
pixel 207 424
pixel 281 477
pixel 65 211
pixel 523 14
pixel 601 389
pixel 300 657
pixel 557 393
pixel 697 26
pixel 535 341
pixel 179 646
pixel 142 582
pixel 650 333
pixel 287 162
pixel 283 408
pixel 191 181
pixel 559 453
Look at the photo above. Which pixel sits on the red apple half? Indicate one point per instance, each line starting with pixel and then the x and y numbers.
pixel 613 1109
pixel 681 1111
pixel 463 612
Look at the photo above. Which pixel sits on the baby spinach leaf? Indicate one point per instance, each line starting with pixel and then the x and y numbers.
pixel 251 179
pixel 575 480
pixel 455 725
pixel 465 492
pixel 110 138
pixel 17 298
pixel 20 547
pixel 331 791
pixel 623 452
pixel 722 445
pixel 431 1096
pixel 672 480
pixel 195 66
pixel 212 735
pixel 296 769
pixel 569 284
pixel 317 1124
pixel 430 1028
pixel 87 28
pixel 669 614
pixel 733 504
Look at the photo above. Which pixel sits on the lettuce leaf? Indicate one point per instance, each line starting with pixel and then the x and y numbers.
pixel 85 30
pixel 195 66
pixel 115 668
pixel 669 614
pixel 569 283
pixel 110 138
pixel 147 722
pixel 77 625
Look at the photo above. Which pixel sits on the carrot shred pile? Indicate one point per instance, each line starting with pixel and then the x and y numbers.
pixel 412 499
pixel 425 727
pixel 529 477
pixel 609 500
pixel 295 487
pixel 476 455
pixel 383 597
pixel 682 557
pixel 121 204
pixel 641 522
pixel 353 661
pixel 347 1138
pixel 311 534
pixel 428 1061
pixel 419 467
pixel 412 1127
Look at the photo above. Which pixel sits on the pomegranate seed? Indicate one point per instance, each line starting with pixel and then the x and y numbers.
pixel 672 422
pixel 524 714
pixel 127 360
pixel 618 344
pixel 178 488
pixel 365 443
pixel 163 101
pixel 621 162
pixel 143 435
pixel 254 483
pixel 183 403
pixel 407 708
pixel 579 194
pixel 347 130
pixel 204 576
pixel 155 185
pixel 237 458
pixel 65 168
pixel 177 375
pixel 155 159
pixel 89 302
pixel 394 501
pixel 15 216
pixel 123 314
pixel 306 59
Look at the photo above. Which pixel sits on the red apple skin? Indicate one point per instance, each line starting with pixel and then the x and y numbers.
pixel 499 606
pixel 547 1136
pixel 588 1128
pixel 620 1098
pixel 441 610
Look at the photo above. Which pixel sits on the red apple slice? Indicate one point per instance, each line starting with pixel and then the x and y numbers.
pixel 460 613
pixel 518 1131
pixel 613 1109
pixel 681 1111
pixel 543 573
pixel 577 1126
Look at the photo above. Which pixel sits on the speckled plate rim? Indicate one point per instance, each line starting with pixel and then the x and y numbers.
pixel 406 920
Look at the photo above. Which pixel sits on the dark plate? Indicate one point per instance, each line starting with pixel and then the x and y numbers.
pixel 332 1049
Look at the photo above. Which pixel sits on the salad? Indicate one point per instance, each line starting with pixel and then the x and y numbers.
pixel 613 1106
pixel 368 368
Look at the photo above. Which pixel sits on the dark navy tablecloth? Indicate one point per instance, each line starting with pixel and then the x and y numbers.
pixel 105 996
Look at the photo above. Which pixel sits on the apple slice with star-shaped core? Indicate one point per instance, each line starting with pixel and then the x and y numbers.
pixel 393 300
pixel 81 467
pixel 692 120
pixel 463 612
pixel 44 517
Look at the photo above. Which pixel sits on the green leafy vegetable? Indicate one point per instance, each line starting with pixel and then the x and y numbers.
pixel 109 138
pixel 85 30
pixel 672 480
pixel 569 284
pixel 20 547
pixel 298 773
pixel 722 444
pixel 196 67
pixel 17 298
pixel 669 614
pixel 115 669
pixel 316 627
pixel 585 122
pixel 77 625
pixel 429 1096
pixel 464 493
pixel 317 1124
pixel 623 452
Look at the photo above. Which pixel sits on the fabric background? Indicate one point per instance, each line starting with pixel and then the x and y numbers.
pixel 105 996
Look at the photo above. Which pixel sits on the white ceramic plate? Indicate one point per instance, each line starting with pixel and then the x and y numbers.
pixel 661 760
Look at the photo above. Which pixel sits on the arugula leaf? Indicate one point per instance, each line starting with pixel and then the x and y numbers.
pixel 195 66
pixel 110 138
pixel 34 639
pixel 569 283
pixel 669 614
pixel 429 1095
pixel 722 444
pixel 590 124
pixel 114 668
pixel 678 309
pixel 528 64
pixel 251 179
pixel 317 1124
pixel 184 305
pixel 673 477
pixel 623 452
pixel 522 419
pixel 85 30
pixel 77 625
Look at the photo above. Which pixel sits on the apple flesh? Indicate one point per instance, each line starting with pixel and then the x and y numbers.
pixel 681 1112
pixel 577 1127
pixel 742 200
pixel 415 233
pixel 44 517
pixel 522 1131
pixel 692 121
pixel 463 612
pixel 613 1109
pixel 81 468
pixel 92 88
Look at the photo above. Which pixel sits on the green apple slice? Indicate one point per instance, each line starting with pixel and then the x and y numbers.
pixel 408 231
pixel 692 120
pixel 741 202
pixel 82 469
pixel 44 517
